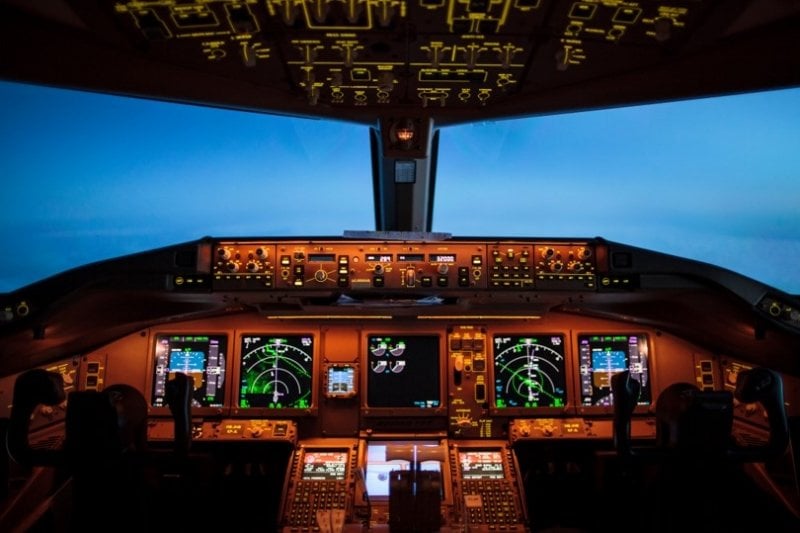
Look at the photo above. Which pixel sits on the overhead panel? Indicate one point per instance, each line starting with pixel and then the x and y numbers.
pixel 407 53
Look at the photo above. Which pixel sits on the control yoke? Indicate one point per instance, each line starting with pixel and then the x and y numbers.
pixel 694 422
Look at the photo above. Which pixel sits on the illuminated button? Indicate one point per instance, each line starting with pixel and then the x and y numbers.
pixel 93 368
pixel 286 260
pixel 426 281
pixel 377 281
pixel 298 282
pixel 299 270
pixel 343 281
pixel 477 260
pixel 441 281
pixel 344 260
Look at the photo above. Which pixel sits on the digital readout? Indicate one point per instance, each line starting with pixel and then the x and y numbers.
pixel 442 258
pixel 321 258
pixel 379 258
pixel 408 258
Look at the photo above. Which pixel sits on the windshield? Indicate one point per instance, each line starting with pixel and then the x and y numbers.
pixel 89 176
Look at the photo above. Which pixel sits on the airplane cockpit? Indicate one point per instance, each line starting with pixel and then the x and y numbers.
pixel 399 378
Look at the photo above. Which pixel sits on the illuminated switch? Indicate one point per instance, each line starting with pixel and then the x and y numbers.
pixel 299 270
pixel 426 281
pixel 344 260
pixel 377 281
pixel 477 260
pixel 343 281
pixel 441 281
pixel 286 260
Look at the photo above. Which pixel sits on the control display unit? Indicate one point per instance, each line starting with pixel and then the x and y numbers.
pixel 481 464
pixel 325 465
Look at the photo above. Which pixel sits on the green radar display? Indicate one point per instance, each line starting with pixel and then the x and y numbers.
pixel 276 371
pixel 529 371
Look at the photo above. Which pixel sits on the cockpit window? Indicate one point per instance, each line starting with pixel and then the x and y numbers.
pixel 715 179
pixel 89 176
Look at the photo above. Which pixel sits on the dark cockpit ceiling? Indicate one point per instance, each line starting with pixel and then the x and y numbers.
pixel 452 61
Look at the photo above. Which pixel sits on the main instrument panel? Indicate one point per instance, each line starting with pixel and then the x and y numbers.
pixel 381 411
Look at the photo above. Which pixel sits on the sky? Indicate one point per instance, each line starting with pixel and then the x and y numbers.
pixel 87 177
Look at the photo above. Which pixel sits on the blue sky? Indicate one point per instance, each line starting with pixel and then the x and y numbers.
pixel 87 177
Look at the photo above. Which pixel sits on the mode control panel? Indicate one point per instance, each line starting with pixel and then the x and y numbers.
pixel 425 266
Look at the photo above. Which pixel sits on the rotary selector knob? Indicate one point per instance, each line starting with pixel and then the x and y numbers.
pixel 320 275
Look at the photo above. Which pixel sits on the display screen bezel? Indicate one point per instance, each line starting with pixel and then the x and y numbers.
pixel 312 409
pixel 644 340
pixel 401 410
pixel 529 410
pixel 163 410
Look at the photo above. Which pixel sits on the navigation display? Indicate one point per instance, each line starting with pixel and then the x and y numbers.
pixel 529 371
pixel 484 464
pixel 602 356
pixel 276 371
pixel 322 465
pixel 200 356
pixel 403 371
